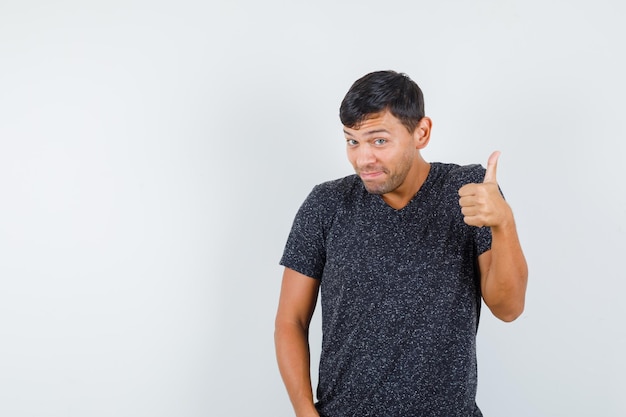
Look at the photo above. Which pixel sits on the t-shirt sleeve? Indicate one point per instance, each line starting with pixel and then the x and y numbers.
pixel 482 240
pixel 305 250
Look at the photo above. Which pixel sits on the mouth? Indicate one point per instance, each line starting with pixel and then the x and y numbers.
pixel 370 175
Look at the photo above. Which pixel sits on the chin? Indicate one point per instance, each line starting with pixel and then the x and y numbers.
pixel 377 190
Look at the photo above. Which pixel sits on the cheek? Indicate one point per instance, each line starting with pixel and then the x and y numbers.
pixel 353 162
pixel 396 161
pixel 351 156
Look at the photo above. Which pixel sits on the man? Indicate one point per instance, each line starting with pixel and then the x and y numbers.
pixel 403 252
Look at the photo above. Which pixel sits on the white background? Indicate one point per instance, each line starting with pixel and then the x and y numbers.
pixel 153 155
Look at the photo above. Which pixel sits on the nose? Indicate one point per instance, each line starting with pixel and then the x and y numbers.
pixel 364 156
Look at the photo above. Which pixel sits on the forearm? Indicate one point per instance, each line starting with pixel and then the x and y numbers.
pixel 504 288
pixel 292 351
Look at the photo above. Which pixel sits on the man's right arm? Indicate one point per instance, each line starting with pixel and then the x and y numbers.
pixel 298 297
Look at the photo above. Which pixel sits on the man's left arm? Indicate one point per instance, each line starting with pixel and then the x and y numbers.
pixel 503 269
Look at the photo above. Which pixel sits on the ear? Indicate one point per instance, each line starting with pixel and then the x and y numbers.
pixel 422 132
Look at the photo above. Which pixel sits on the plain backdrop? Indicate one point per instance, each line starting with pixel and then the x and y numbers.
pixel 153 155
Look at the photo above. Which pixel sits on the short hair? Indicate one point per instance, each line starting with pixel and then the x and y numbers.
pixel 379 91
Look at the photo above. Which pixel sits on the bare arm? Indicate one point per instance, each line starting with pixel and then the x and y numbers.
pixel 298 297
pixel 504 274
pixel 503 269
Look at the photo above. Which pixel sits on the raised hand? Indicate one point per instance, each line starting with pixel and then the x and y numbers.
pixel 482 204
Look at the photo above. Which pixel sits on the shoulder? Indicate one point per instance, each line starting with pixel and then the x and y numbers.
pixel 336 191
pixel 326 198
pixel 458 175
pixel 340 185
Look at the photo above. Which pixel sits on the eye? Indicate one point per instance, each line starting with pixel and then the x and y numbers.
pixel 380 141
pixel 351 142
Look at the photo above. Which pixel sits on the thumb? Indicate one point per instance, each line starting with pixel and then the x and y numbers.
pixel 492 164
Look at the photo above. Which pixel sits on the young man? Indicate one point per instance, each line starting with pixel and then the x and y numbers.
pixel 403 252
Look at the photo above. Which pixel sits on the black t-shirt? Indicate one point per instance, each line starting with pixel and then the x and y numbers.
pixel 400 296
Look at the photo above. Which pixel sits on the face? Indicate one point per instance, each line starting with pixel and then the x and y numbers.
pixel 382 152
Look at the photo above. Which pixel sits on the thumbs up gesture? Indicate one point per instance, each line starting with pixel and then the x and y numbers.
pixel 482 204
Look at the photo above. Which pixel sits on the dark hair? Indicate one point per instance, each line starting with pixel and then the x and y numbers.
pixel 379 91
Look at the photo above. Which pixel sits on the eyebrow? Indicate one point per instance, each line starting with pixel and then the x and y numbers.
pixel 369 132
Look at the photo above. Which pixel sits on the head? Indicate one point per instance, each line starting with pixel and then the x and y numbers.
pixel 380 91
pixel 385 129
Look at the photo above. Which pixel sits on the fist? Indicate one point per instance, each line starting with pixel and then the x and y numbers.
pixel 482 204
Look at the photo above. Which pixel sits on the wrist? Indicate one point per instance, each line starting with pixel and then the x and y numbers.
pixel 506 222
